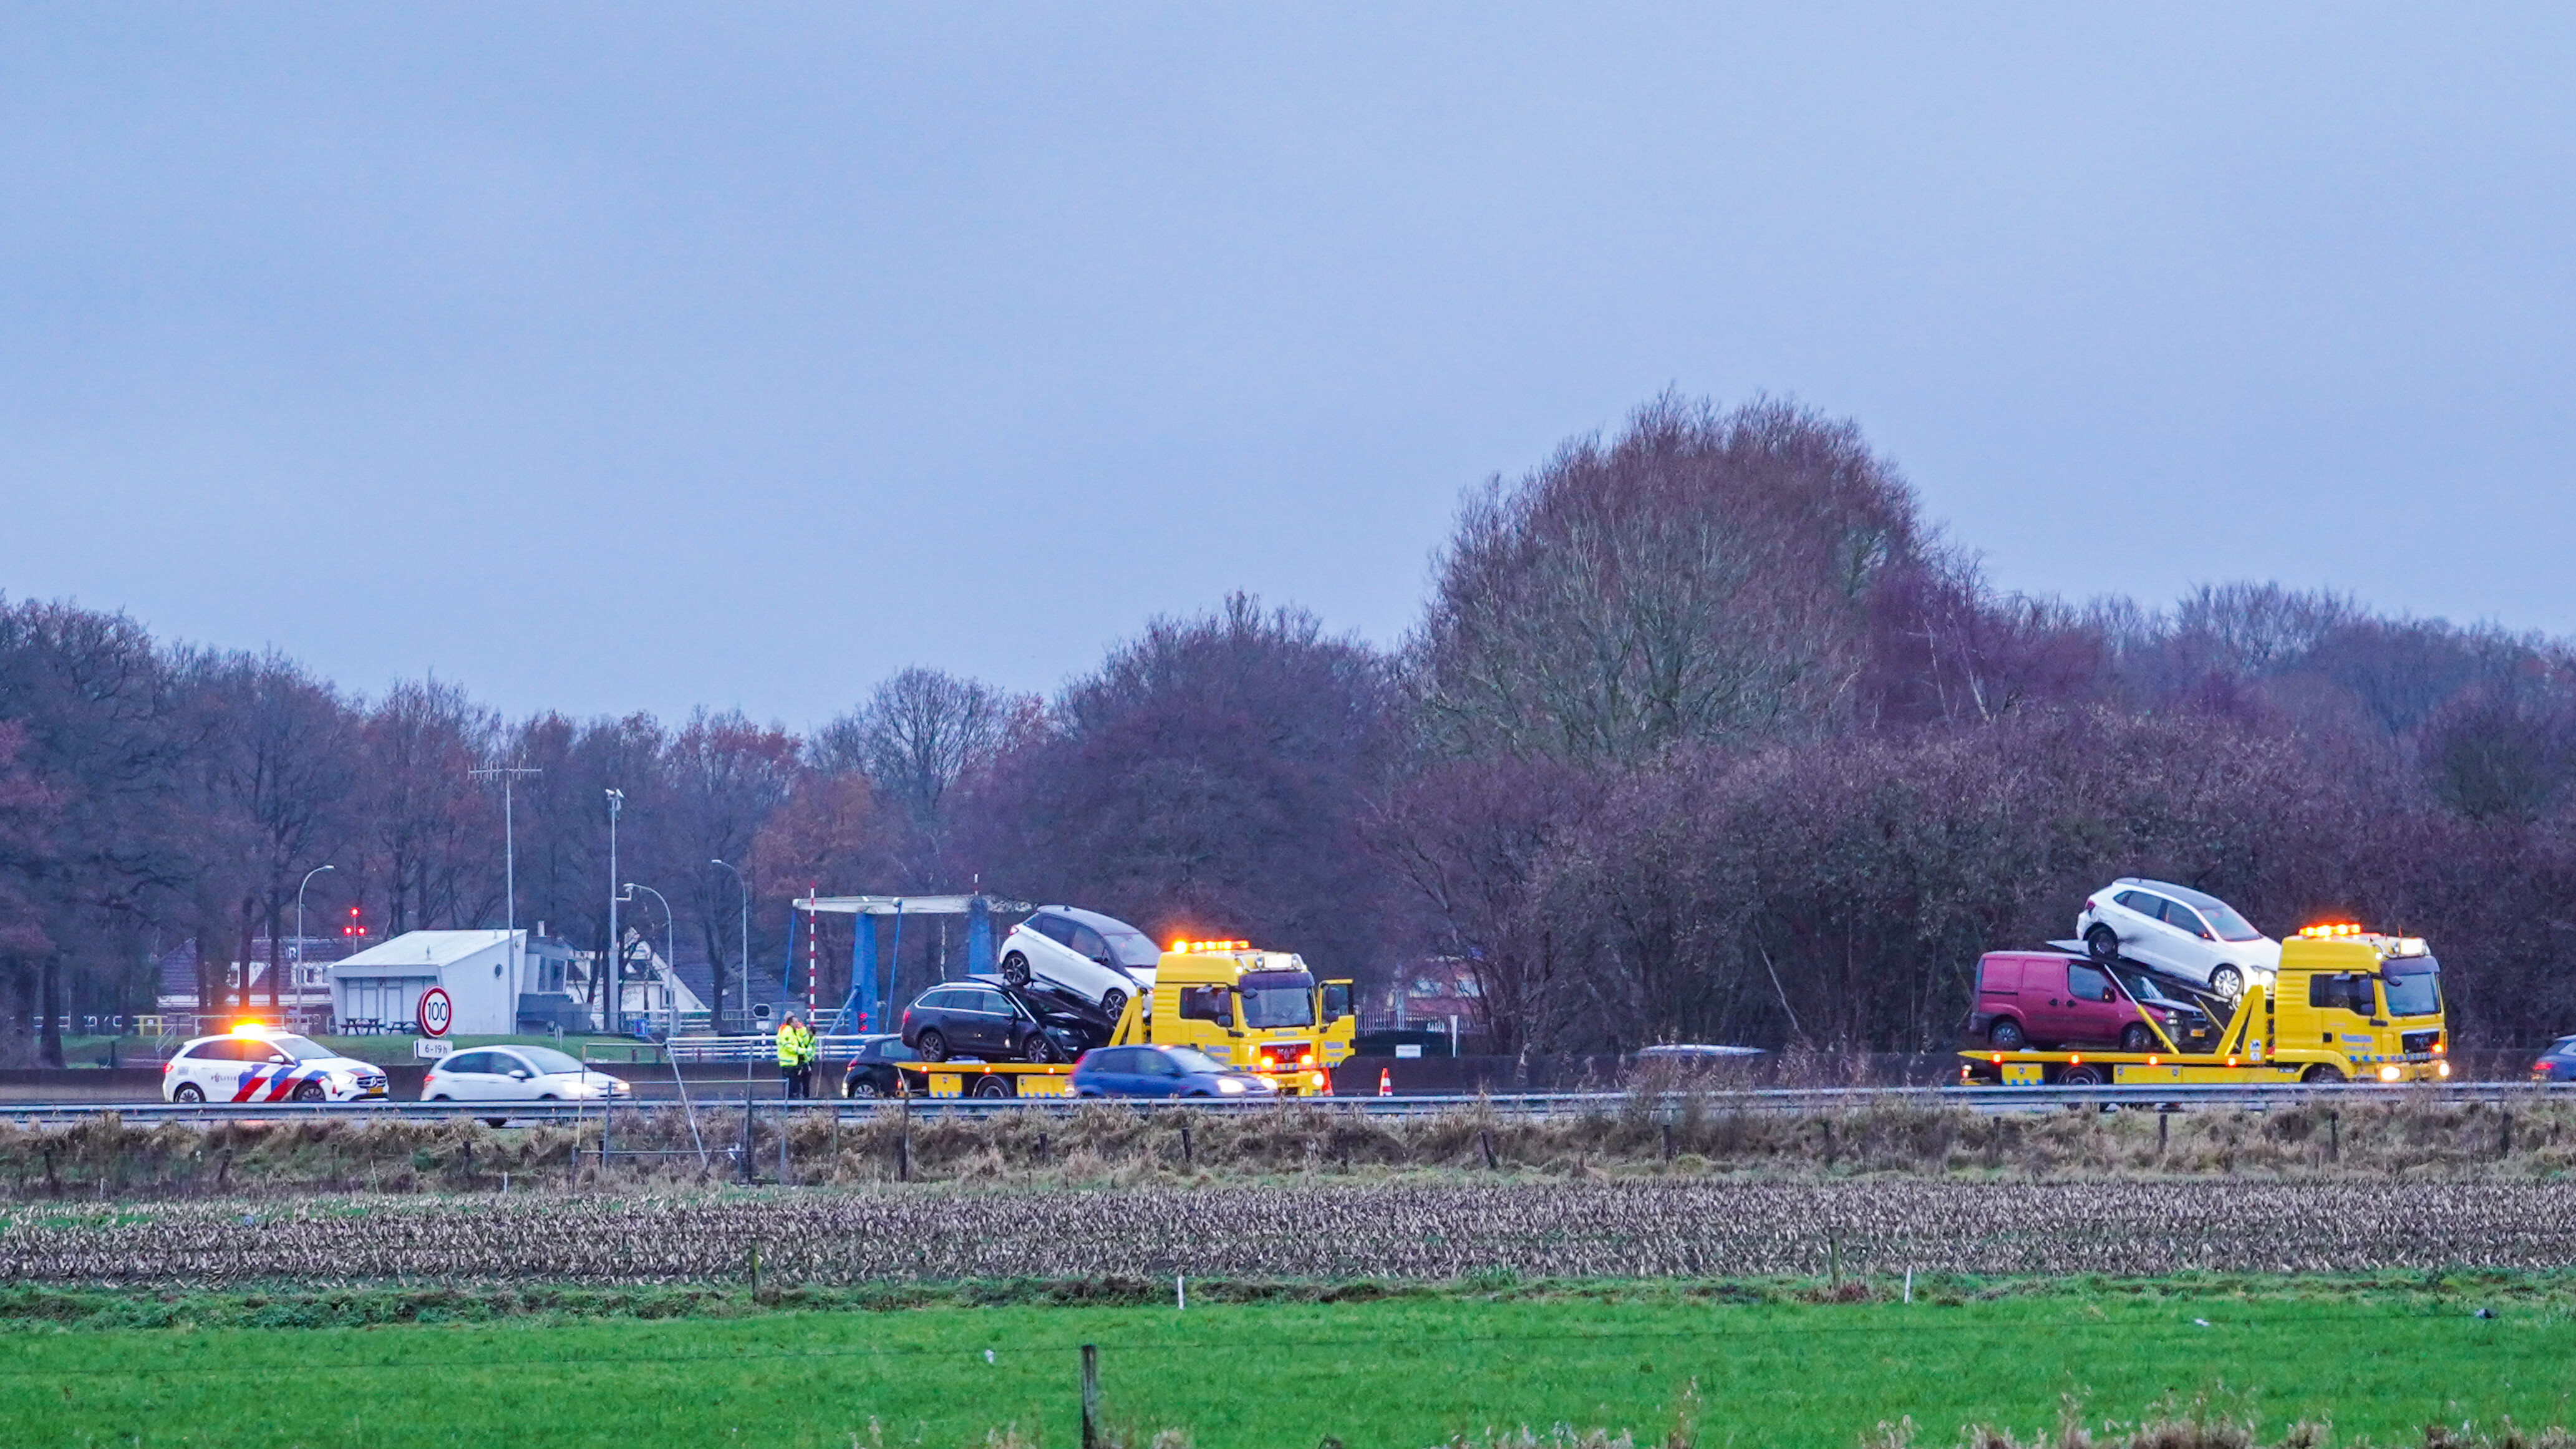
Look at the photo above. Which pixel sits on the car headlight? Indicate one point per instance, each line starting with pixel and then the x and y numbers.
pixel 1229 1086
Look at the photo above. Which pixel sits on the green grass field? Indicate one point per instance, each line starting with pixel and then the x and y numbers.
pixel 2379 1363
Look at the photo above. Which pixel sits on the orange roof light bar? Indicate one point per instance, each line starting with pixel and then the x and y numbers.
pixel 2332 930
pixel 1192 948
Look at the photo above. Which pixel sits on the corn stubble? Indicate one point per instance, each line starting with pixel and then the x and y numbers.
pixel 1395 1232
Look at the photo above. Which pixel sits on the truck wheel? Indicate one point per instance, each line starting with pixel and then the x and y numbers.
pixel 2136 1038
pixel 2102 944
pixel 2322 1075
pixel 2080 1076
pixel 2007 1035
pixel 2228 982
pixel 1015 969
pixel 1114 1002
pixel 188 1092
pixel 992 1087
pixel 932 1046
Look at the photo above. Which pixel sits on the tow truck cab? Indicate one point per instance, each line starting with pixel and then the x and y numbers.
pixel 1255 1011
pixel 2348 1005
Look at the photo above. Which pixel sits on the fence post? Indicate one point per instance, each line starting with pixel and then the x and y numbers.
pixel 1090 1396
pixel 2334 1137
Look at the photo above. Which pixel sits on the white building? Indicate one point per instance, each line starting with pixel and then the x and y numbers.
pixel 482 972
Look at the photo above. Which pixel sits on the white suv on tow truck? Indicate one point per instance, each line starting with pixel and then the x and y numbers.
pixel 2178 930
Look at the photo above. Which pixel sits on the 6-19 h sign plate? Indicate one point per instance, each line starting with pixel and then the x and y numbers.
pixel 437 1011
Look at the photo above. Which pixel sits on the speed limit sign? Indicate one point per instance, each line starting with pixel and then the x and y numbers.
pixel 436 1011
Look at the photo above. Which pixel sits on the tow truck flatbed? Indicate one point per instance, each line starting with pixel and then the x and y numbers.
pixel 2345 1005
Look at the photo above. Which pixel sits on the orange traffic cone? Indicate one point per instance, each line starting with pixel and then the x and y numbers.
pixel 1386 1081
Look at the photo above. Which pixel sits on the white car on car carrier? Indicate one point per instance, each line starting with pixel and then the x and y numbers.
pixel 1101 959
pixel 2178 930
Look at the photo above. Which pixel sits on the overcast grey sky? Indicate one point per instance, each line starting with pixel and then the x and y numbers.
pixel 615 359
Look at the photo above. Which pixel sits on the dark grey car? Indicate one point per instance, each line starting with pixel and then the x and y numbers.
pixel 989 1022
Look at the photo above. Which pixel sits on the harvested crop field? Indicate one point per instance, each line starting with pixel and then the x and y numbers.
pixel 1700 1230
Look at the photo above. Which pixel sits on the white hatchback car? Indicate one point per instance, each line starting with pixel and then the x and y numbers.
pixel 1101 959
pixel 256 1064
pixel 2176 929
pixel 516 1074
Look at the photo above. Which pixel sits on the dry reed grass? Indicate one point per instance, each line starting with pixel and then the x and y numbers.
pixel 1683 1136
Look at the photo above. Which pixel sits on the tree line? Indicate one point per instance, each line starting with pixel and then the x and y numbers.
pixel 1704 734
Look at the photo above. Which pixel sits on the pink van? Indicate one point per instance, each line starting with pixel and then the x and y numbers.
pixel 2045 999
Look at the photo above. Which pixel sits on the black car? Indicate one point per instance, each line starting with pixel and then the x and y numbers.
pixel 990 1020
pixel 872 1071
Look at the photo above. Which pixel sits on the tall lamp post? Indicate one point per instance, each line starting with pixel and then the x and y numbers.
pixel 299 921
pixel 612 957
pixel 508 775
pixel 742 977
pixel 670 953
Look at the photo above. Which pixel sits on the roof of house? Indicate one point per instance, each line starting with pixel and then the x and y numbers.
pixel 179 969
pixel 701 981
pixel 420 948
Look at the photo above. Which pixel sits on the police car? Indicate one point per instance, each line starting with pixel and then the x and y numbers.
pixel 260 1064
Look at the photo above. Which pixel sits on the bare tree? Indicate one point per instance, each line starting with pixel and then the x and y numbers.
pixel 96 713
pixel 725 777
pixel 919 733
pixel 434 831
pixel 1701 577
pixel 283 762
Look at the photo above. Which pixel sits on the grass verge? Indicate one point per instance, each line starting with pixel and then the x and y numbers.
pixel 2375 1359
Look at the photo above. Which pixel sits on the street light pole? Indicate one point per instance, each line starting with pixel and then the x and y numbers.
pixel 742 977
pixel 613 957
pixel 670 954
pixel 507 775
pixel 299 921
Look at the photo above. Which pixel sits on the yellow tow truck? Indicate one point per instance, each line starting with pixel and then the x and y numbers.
pixel 2346 1005
pixel 1261 1012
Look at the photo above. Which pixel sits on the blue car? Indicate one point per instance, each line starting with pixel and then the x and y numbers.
pixel 2558 1064
pixel 1162 1071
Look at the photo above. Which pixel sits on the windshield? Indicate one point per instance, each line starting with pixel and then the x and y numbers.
pixel 2414 986
pixel 301 1049
pixel 1192 1060
pixel 549 1061
pixel 1131 948
pixel 2230 926
pixel 1277 998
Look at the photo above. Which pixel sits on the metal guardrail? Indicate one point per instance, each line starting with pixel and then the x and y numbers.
pixel 754 1048
pixel 1509 1104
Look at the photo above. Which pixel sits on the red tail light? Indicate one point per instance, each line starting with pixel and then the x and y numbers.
pixel 2541 1066
pixel 166 1066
